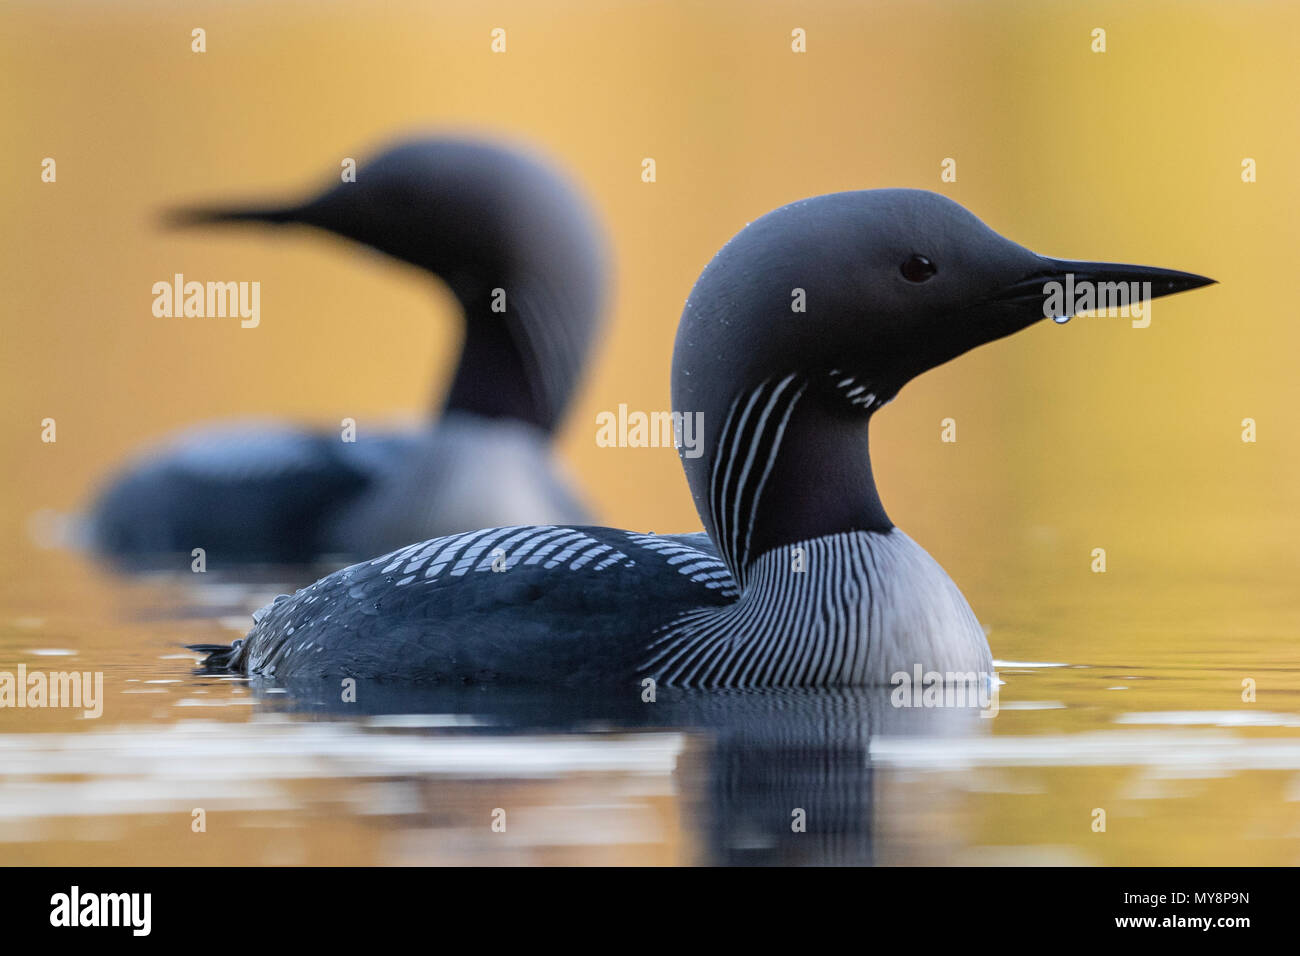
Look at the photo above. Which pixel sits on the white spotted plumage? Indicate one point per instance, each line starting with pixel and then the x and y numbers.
pixel 859 394
pixel 514 546
pixel 699 566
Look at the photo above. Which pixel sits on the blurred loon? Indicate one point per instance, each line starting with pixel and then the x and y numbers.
pixel 802 579
pixel 522 254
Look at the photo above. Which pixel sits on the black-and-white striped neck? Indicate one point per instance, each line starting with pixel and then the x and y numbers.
pixel 844 609
pixel 791 464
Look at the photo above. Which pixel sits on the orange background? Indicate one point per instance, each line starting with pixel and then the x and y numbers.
pixel 1092 434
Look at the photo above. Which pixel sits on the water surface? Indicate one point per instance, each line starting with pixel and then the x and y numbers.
pixel 1185 771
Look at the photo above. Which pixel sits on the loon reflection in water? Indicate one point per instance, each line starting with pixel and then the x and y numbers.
pixel 766 776
pixel 802 579
pixel 517 246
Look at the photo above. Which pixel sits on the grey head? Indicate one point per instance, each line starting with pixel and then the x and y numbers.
pixel 891 282
pixel 513 239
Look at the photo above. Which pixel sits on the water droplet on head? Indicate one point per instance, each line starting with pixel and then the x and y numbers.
pixel 1060 319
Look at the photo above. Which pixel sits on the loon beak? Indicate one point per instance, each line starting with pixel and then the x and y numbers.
pixel 214 215
pixel 1055 288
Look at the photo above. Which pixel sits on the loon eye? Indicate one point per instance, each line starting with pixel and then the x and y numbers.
pixel 918 269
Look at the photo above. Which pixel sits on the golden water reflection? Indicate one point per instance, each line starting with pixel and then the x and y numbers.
pixel 1186 771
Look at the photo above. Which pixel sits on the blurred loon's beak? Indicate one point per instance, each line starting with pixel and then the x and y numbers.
pixel 213 215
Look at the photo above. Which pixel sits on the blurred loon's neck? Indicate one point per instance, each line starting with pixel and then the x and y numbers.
pixel 790 464
pixel 520 359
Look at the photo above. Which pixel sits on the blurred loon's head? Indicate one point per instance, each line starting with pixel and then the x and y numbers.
pixel 512 238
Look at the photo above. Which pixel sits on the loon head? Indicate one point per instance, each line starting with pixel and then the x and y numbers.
pixel 511 237
pixel 814 316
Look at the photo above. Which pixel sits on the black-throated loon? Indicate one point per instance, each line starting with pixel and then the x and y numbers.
pixel 522 253
pixel 802 579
